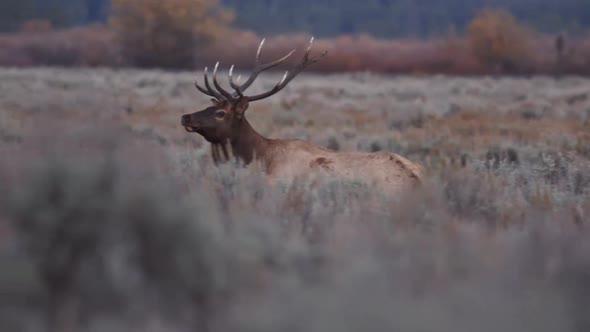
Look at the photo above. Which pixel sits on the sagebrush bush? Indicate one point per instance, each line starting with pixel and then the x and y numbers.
pixel 168 34
pixel 101 240
pixel 112 218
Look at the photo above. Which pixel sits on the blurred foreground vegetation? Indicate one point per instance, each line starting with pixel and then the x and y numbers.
pixel 113 218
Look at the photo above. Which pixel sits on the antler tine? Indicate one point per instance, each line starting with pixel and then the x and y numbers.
pixel 277 62
pixel 290 75
pixel 305 63
pixel 233 84
pixel 209 91
pixel 259 67
pixel 228 96
pixel 208 86
pixel 283 79
pixel 278 87
pixel 259 50
pixel 306 56
pixel 203 90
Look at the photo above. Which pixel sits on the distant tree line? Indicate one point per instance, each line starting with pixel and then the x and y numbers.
pixel 381 18
pixel 60 13
pixel 395 18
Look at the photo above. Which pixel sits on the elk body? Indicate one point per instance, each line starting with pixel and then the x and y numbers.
pixel 225 126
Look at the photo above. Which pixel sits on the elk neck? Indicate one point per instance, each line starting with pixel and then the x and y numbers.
pixel 246 143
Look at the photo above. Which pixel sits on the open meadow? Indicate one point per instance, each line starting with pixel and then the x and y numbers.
pixel 114 218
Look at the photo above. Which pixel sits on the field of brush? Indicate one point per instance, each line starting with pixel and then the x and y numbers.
pixel 112 217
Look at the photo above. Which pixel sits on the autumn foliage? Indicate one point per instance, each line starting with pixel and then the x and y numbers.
pixel 192 34
pixel 168 34
pixel 36 25
pixel 496 38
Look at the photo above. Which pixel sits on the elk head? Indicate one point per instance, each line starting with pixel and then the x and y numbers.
pixel 222 121
pixel 216 123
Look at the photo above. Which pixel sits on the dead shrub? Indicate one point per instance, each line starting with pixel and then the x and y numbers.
pixel 145 39
pixel 36 25
pixel 355 53
pixel 83 46
pixel 155 33
pixel 496 38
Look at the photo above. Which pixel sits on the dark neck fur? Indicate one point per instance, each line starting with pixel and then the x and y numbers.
pixel 246 145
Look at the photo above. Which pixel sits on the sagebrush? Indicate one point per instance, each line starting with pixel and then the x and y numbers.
pixel 114 218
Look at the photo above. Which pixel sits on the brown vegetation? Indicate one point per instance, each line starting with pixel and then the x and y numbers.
pixel 36 25
pixel 161 35
pixel 155 33
pixel 85 46
pixel 497 39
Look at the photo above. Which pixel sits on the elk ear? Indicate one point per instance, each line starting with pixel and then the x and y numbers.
pixel 241 107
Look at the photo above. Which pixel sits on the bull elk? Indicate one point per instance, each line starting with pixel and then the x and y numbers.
pixel 225 126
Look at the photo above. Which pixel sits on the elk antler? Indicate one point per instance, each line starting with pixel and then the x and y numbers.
pixel 222 94
pixel 209 91
pixel 259 67
pixel 289 75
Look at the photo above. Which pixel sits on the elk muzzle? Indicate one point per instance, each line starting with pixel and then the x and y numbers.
pixel 189 125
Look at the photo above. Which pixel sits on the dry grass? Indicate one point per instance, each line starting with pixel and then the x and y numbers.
pixel 114 213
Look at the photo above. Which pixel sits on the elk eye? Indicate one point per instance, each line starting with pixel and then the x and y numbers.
pixel 220 114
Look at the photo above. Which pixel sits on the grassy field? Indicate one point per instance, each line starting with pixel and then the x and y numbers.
pixel 112 217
